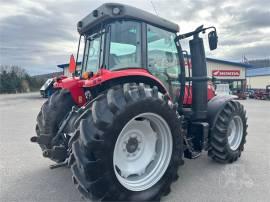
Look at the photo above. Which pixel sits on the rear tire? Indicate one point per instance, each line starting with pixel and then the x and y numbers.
pixel 52 113
pixel 228 135
pixel 93 157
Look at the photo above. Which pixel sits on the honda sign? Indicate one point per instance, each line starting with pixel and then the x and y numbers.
pixel 226 73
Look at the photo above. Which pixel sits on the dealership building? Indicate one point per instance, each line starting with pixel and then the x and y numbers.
pixel 223 71
pixel 258 78
pixel 238 75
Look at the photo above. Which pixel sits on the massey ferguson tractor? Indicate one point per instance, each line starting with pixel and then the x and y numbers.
pixel 124 122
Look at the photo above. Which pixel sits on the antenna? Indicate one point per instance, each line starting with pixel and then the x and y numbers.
pixel 154 7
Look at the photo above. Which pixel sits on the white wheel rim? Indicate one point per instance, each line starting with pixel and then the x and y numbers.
pixel 142 152
pixel 235 132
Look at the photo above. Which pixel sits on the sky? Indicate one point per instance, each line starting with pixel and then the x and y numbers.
pixel 37 35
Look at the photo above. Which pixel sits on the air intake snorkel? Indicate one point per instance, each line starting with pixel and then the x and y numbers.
pixel 199 70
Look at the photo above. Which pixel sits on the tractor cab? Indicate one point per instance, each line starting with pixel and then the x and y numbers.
pixel 118 37
pixel 120 45
pixel 123 43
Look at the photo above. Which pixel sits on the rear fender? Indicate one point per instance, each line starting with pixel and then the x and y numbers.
pixel 75 86
pixel 130 79
pixel 215 106
pixel 105 79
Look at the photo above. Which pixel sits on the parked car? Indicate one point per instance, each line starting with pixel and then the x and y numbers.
pixel 263 94
pixel 241 95
pixel 47 89
pixel 251 93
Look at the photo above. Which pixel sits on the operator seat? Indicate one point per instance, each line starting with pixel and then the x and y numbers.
pixel 113 61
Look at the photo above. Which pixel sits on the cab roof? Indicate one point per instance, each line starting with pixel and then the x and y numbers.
pixel 110 11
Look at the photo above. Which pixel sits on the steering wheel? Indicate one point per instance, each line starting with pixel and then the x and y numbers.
pixel 170 79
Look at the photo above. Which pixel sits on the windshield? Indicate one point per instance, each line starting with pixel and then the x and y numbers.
pixel 92 53
pixel 125 45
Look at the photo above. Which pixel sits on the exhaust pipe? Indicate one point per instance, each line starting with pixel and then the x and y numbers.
pixel 199 78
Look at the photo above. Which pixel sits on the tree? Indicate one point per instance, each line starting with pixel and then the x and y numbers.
pixel 11 78
pixel 14 79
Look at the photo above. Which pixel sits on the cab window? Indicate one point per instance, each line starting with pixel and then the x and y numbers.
pixel 162 52
pixel 92 53
pixel 125 45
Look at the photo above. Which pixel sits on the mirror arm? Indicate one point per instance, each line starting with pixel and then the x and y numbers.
pixel 196 32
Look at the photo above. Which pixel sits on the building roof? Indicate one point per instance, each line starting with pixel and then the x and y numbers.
pixel 67 64
pixel 262 71
pixel 229 62
pixel 110 11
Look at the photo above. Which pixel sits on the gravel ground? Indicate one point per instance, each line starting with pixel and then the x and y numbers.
pixel 25 175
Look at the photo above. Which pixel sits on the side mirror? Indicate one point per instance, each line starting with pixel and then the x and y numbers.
pixel 212 39
pixel 72 64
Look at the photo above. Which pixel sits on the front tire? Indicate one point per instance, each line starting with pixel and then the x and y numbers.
pixel 228 135
pixel 52 113
pixel 129 146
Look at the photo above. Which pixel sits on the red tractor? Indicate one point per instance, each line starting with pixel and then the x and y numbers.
pixel 124 122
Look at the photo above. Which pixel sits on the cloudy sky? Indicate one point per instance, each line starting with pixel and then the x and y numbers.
pixel 38 35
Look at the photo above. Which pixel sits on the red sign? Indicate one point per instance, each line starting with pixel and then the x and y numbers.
pixel 228 73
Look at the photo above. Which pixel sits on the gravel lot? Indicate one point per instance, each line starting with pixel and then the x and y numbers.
pixel 25 174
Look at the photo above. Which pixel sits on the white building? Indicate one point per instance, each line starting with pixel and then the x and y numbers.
pixel 258 78
pixel 66 70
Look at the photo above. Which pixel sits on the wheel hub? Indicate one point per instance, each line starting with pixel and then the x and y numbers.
pixel 235 132
pixel 142 151
pixel 132 145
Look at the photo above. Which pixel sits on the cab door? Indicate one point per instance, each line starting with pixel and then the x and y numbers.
pixel 162 58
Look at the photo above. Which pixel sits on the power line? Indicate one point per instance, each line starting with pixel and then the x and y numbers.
pixel 154 7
